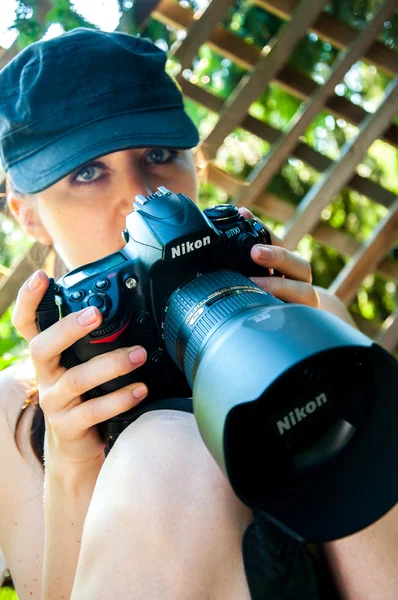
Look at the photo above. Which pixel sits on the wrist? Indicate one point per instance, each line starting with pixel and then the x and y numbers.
pixel 71 472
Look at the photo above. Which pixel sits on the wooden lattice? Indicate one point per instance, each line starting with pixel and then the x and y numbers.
pixel 267 65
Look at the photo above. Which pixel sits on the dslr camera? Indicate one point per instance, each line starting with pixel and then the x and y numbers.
pixel 298 408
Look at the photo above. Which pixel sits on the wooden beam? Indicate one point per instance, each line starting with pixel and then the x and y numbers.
pixel 367 258
pixel 339 173
pixel 281 210
pixel 199 31
pixel 266 168
pixel 303 87
pixel 233 47
pixel 271 60
pixel 302 151
pixel 222 41
pixel 337 33
pixel 9 286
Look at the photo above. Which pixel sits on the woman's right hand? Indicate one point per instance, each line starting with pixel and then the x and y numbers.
pixel 71 431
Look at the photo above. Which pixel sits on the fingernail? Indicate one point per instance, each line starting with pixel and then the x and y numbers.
pixel 87 317
pixel 139 392
pixel 34 282
pixel 265 253
pixel 137 356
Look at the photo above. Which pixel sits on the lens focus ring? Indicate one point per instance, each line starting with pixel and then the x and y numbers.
pixel 203 304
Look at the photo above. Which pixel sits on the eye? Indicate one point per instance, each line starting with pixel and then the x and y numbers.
pixel 89 173
pixel 160 156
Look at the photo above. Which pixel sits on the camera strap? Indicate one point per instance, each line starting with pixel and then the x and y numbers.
pixel 278 567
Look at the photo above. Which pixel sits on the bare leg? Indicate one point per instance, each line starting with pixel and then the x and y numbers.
pixel 163 522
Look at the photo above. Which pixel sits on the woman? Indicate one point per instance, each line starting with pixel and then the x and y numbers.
pixel 88 121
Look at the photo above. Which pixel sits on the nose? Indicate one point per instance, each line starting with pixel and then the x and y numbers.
pixel 134 182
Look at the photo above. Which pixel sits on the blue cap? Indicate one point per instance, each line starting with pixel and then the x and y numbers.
pixel 87 93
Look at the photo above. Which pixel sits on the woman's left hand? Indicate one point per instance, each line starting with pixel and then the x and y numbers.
pixel 295 285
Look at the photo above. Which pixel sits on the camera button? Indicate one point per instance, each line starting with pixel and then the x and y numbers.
pixel 98 301
pixel 221 211
pixel 101 284
pixel 157 356
pixel 76 296
pixel 247 241
pixel 143 319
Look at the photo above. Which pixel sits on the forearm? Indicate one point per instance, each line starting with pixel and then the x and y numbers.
pixel 67 493
pixel 365 565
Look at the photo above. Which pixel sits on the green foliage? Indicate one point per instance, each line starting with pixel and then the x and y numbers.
pixel 31 27
pixel 65 14
pixel 251 23
pixel 13 242
pixel 27 24
pixel 12 346
pixel 8 593
pixel 364 85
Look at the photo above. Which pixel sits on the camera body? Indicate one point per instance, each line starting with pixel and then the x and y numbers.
pixel 169 241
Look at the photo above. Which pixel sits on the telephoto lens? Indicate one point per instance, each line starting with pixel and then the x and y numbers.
pixel 298 408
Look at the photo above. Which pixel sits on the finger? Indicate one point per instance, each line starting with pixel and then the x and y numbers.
pixel 77 421
pixel 287 290
pixel 290 264
pixel 28 299
pixel 79 379
pixel 276 241
pixel 46 347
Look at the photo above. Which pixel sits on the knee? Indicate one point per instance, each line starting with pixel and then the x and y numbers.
pixel 160 472
pixel 162 505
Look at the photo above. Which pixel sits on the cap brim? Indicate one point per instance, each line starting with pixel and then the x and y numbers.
pixel 171 128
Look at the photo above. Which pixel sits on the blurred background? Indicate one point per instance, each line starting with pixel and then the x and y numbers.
pixel 276 116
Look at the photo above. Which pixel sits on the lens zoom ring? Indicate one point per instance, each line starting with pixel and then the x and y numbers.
pixel 220 312
pixel 186 298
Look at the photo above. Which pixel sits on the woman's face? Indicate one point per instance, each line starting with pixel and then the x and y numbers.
pixel 85 213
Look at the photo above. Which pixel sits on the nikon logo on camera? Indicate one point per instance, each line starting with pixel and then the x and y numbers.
pixel 187 247
pixel 299 414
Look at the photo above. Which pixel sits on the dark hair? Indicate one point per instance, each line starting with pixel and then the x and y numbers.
pixel 58 269
pixel 37 429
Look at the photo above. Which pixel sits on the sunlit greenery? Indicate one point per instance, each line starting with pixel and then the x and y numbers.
pixel 8 593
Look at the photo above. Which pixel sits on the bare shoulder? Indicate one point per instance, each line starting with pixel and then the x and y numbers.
pixel 332 304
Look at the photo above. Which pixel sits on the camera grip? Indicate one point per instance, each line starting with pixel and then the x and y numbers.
pixel 48 314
